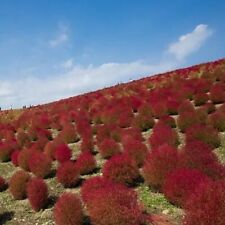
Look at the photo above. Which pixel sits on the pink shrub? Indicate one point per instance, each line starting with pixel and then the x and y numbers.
pixel 86 163
pixel 67 174
pixel 159 162
pixel 163 134
pixel 18 183
pixel 108 147
pixel 37 193
pixel 63 153
pixel 206 206
pixel 40 164
pixel 121 169
pixel 180 184
pixel 68 210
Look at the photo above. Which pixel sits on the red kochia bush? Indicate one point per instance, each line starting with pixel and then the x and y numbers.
pixel 86 163
pixel 51 146
pixel 143 122
pixel 131 133
pixel 3 184
pixel 108 147
pixel 5 151
pixel 200 99
pixel 67 174
pixel 37 193
pixel 69 134
pixel 18 183
pixel 217 93
pixel 14 157
pixel 92 184
pixel 180 184
pixel 203 133
pixel 206 206
pixel 23 158
pixel 122 169
pixel 136 150
pixel 63 153
pixel 158 164
pixel 163 134
pixel 40 164
pixel 198 155
pixel 115 204
pixel 217 120
pixel 68 210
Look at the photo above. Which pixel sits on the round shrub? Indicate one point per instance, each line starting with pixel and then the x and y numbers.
pixel 51 146
pixel 68 210
pixel 67 174
pixel 186 106
pixel 163 134
pixel 69 134
pixel 121 169
pixel 143 123
pixel 131 133
pixel 203 133
pixel 86 163
pixel 18 183
pixel 63 153
pixel 37 193
pixel 114 204
pixel 40 164
pixel 180 184
pixel 159 162
pixel 14 157
pixel 92 184
pixel 198 155
pixel 200 98
pixel 23 158
pixel 217 94
pixel 3 184
pixel 206 206
pixel 136 150
pixel 108 147
pixel 168 120
pixel 217 120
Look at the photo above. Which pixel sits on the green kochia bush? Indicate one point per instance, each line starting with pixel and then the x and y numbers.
pixel 68 210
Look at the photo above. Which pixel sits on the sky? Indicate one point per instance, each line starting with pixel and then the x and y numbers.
pixel 54 49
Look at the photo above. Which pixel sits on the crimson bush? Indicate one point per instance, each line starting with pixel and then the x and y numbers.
pixel 68 210
pixel 122 169
pixel 63 153
pixel 37 193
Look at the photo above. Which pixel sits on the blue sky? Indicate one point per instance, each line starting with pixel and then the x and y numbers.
pixel 52 49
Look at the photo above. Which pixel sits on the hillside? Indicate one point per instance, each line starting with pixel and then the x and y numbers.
pixel 158 143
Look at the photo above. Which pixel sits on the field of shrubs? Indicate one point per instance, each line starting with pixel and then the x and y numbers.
pixel 148 152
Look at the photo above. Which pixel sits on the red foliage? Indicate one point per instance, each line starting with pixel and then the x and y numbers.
pixel 163 134
pixel 91 185
pixel 121 169
pixel 159 109
pixel 68 210
pixel 143 122
pixel 51 146
pixel 136 150
pixel 5 151
pixel 40 164
pixel 69 134
pixel 67 174
pixel 23 139
pixel 18 183
pixel 114 204
pixel 200 99
pixel 180 184
pixel 63 153
pixel 3 184
pixel 186 106
pixel 217 94
pixel 23 158
pixel 159 162
pixel 168 120
pixel 37 193
pixel 206 206
pixel 108 147
pixel 87 144
pixel 86 163
pixel 14 157
pixel 198 155
pixel 217 120
pixel 131 133
pixel 203 133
